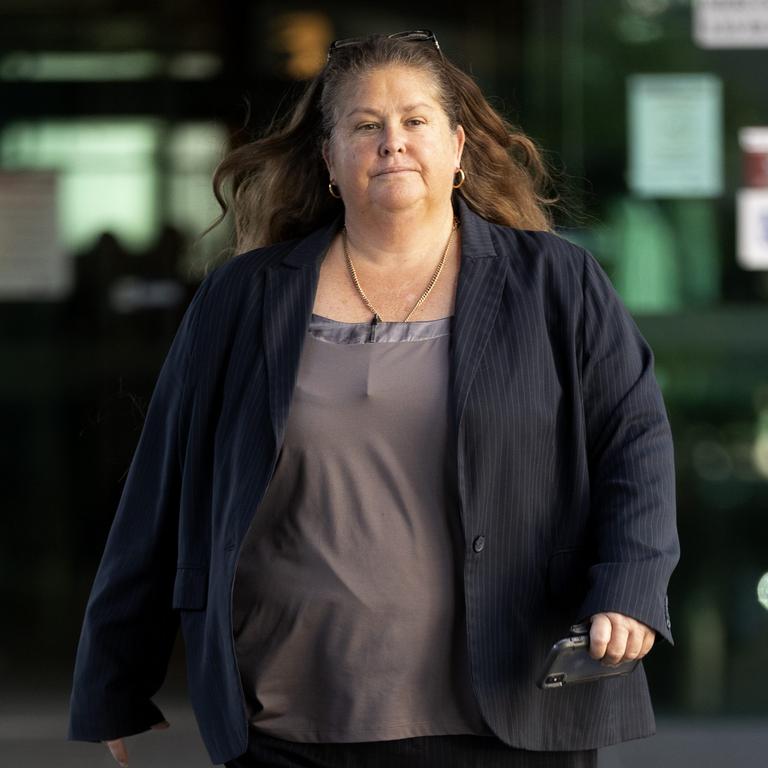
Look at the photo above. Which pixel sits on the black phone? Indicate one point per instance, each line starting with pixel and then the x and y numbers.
pixel 569 662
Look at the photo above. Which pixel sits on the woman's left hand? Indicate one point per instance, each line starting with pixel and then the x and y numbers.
pixel 614 638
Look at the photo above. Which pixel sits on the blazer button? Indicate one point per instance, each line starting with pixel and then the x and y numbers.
pixel 478 543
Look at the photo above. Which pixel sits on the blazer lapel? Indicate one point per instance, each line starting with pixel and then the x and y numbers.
pixel 478 294
pixel 289 296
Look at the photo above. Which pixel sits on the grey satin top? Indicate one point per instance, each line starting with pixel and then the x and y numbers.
pixel 348 605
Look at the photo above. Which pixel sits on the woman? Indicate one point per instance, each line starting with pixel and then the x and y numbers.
pixel 393 454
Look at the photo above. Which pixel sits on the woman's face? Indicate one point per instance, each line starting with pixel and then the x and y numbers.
pixel 392 148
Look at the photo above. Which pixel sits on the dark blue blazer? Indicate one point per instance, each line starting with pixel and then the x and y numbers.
pixel 564 465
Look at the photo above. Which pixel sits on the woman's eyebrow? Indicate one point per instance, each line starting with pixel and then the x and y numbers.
pixel 372 111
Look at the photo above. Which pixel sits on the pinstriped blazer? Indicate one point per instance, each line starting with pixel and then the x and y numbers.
pixel 564 464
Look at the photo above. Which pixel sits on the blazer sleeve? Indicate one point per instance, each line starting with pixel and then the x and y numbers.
pixel 129 626
pixel 631 462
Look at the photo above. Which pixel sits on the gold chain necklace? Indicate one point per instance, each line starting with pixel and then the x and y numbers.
pixel 376 316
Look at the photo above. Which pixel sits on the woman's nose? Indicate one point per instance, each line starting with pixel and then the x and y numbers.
pixel 392 142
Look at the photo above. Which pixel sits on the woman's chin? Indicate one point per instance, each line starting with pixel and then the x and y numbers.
pixel 398 200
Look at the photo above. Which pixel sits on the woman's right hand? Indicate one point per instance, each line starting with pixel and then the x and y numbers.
pixel 120 751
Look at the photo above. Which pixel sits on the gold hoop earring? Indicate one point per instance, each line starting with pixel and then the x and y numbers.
pixel 332 188
pixel 462 178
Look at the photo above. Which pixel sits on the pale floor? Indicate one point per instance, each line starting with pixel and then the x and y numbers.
pixel 32 733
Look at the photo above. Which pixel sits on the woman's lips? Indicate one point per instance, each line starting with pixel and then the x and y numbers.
pixel 394 170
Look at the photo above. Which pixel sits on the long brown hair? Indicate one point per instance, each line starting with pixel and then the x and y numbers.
pixel 278 184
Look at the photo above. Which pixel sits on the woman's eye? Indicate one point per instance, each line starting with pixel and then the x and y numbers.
pixel 367 127
pixel 416 121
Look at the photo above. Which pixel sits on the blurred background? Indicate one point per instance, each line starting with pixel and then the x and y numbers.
pixel 113 116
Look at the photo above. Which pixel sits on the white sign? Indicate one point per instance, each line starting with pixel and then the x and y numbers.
pixel 730 23
pixel 754 139
pixel 33 264
pixel 752 228
pixel 675 135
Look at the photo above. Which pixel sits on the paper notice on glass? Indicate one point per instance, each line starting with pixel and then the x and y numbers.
pixel 730 23
pixel 752 228
pixel 33 264
pixel 675 135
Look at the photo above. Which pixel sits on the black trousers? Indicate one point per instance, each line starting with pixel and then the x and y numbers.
pixel 452 751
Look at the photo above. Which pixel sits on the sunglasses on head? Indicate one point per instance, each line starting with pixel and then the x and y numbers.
pixel 414 35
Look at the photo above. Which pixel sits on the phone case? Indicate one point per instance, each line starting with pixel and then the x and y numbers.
pixel 569 662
